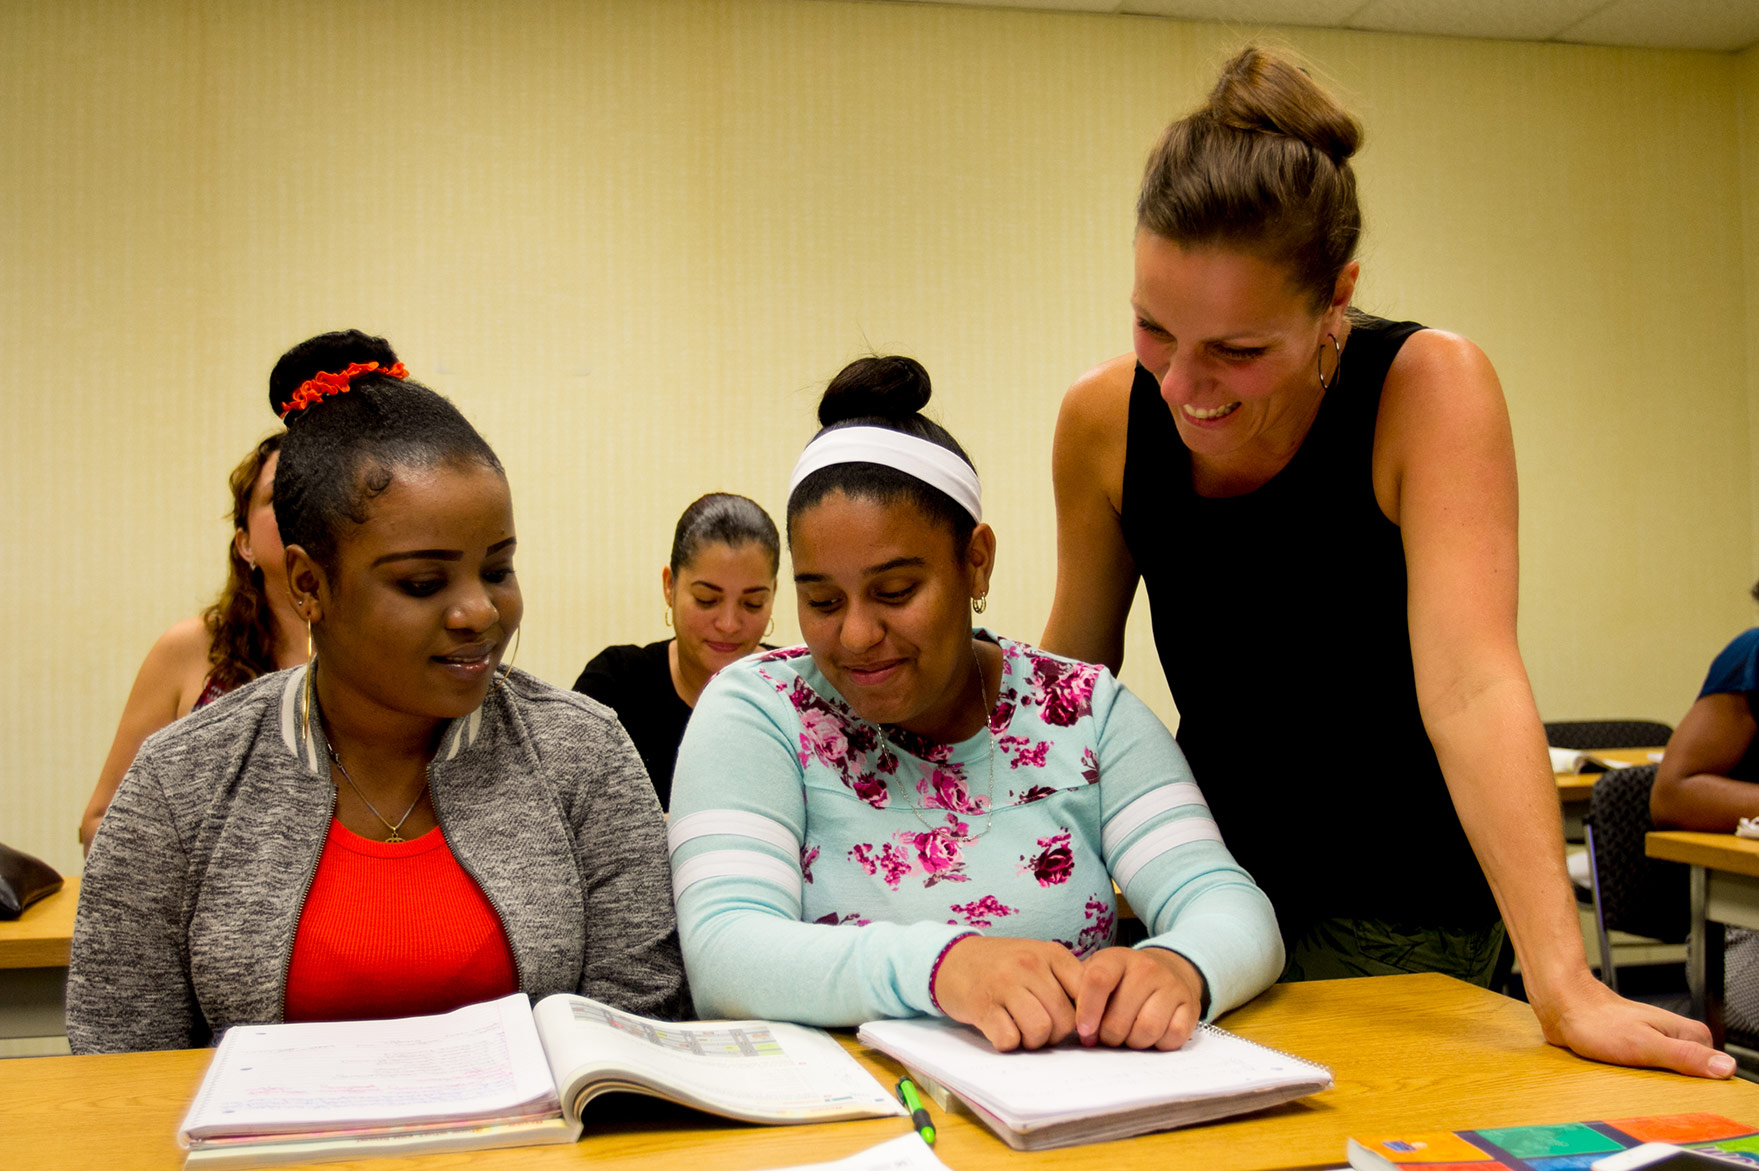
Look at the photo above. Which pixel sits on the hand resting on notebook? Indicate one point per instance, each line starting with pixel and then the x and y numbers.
pixel 1027 993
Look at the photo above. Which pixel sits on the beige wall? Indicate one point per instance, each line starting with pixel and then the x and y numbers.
pixel 633 239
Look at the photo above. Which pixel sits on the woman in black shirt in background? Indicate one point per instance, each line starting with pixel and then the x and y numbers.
pixel 719 586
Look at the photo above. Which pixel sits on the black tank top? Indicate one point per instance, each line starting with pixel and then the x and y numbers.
pixel 1279 617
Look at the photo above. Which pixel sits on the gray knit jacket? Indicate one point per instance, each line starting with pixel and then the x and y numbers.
pixel 196 882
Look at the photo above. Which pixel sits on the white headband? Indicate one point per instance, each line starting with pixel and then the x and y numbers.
pixel 929 462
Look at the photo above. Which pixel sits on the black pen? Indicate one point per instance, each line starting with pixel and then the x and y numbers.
pixel 918 1113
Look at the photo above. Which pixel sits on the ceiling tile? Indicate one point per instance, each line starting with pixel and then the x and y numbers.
pixel 1509 20
pixel 1320 13
pixel 1663 24
pixel 1670 24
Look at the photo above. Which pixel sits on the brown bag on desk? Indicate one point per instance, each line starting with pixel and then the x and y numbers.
pixel 23 880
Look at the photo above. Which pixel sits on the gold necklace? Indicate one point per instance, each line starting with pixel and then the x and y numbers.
pixel 396 830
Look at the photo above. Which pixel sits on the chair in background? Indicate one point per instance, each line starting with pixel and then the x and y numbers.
pixel 1587 735
pixel 1631 892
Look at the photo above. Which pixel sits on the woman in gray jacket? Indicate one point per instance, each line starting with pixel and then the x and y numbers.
pixel 402 826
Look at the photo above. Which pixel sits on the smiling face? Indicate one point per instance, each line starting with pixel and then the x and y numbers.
pixel 1233 344
pixel 422 600
pixel 885 601
pixel 720 603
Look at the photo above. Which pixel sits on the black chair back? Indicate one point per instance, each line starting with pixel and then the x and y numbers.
pixel 1633 892
pixel 1587 735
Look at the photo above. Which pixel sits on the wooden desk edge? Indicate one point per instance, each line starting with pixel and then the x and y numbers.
pixel 42 937
pixel 1714 851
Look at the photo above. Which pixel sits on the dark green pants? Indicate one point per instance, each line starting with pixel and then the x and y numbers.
pixel 1333 949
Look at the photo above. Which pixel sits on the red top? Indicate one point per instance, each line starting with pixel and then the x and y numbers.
pixel 393 931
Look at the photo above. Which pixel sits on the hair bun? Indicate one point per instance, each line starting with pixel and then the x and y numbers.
pixel 890 387
pixel 327 353
pixel 1262 92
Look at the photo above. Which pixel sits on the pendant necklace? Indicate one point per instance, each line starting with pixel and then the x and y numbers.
pixel 396 834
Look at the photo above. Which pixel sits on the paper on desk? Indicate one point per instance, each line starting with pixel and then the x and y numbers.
pixel 907 1152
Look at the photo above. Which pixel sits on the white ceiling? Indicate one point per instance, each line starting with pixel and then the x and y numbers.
pixel 1725 25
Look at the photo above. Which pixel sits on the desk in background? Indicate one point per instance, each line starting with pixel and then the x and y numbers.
pixel 33 966
pixel 1574 789
pixel 1725 891
pixel 1410 1053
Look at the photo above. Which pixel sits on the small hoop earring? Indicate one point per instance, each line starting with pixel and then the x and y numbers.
pixel 667 616
pixel 772 627
pixel 506 671
pixel 1337 367
pixel 980 603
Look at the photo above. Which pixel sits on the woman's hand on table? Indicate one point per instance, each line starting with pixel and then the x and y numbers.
pixel 1020 993
pixel 1147 998
pixel 1598 1024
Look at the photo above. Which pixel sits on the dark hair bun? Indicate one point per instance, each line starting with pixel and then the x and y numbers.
pixel 890 387
pixel 327 353
pixel 1262 92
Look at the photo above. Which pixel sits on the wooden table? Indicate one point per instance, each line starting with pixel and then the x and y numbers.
pixel 1410 1054
pixel 33 965
pixel 1580 786
pixel 1725 891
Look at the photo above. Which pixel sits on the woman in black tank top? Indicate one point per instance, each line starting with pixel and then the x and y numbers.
pixel 1322 507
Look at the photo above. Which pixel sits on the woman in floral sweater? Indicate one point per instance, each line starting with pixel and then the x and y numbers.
pixel 907 816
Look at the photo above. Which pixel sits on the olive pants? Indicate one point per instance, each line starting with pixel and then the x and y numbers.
pixel 1333 949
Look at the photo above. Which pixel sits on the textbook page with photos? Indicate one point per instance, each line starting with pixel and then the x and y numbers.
pixel 1068 1094
pixel 500 1074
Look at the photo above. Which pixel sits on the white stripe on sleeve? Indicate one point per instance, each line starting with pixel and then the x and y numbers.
pixel 736 823
pixel 1138 813
pixel 1158 842
pixel 737 864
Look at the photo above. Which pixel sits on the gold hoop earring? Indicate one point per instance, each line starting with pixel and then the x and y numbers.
pixel 506 672
pixel 980 603
pixel 311 666
pixel 1337 367
pixel 667 616
pixel 772 627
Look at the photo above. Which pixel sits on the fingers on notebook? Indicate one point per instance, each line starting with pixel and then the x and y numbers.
pixel 1142 999
pixel 1017 992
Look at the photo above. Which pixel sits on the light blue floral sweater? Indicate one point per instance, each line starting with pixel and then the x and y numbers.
pixel 821 863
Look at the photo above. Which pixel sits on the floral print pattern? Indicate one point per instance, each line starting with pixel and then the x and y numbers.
pixel 833 735
pixel 896 772
pixel 936 853
pixel 1054 863
pixel 1062 690
pixel 979 912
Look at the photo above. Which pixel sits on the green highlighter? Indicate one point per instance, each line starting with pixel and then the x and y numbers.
pixel 918 1113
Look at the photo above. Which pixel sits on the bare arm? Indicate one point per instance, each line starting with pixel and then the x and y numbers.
pixel 1096 576
pixel 170 681
pixel 1693 789
pixel 1445 471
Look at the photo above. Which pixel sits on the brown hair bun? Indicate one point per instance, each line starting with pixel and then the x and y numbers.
pixel 1261 92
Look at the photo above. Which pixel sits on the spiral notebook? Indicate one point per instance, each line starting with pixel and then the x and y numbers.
pixel 1067 1094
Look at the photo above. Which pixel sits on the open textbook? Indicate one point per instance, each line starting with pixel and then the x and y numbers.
pixel 500 1074
pixel 1068 1094
pixel 1570 760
